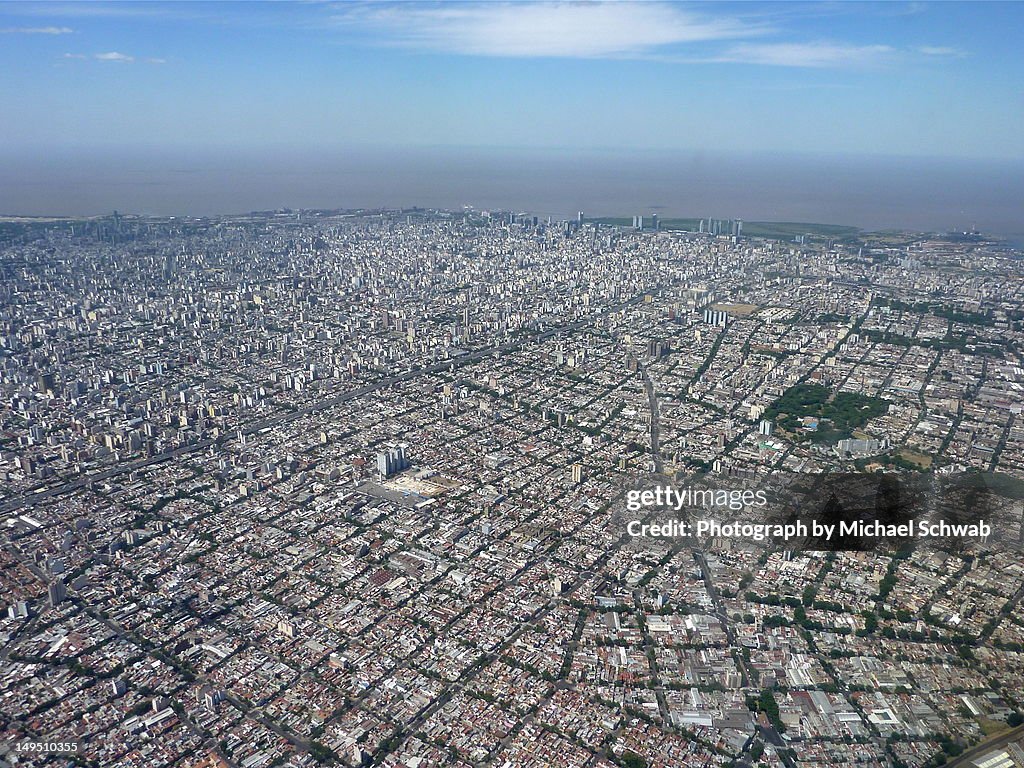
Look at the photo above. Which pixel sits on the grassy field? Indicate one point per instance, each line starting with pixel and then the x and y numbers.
pixel 992 727
pixel 922 460
pixel 789 229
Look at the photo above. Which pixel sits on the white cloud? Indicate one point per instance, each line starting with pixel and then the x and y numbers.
pixel 643 30
pixel 806 54
pixel 941 50
pixel 562 29
pixel 97 10
pixel 37 31
pixel 114 56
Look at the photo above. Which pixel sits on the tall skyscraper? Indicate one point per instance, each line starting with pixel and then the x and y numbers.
pixel 391 461
pixel 57 592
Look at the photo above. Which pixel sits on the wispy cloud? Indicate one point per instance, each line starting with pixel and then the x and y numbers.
pixel 70 10
pixel 120 58
pixel 655 31
pixel 941 50
pixel 564 29
pixel 815 55
pixel 36 30
pixel 113 57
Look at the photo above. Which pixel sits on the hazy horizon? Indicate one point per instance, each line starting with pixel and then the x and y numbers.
pixel 824 112
pixel 868 192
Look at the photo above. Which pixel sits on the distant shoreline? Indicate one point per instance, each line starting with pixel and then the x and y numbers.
pixel 867 194
pixel 772 230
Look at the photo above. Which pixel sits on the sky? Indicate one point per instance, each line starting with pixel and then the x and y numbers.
pixel 942 80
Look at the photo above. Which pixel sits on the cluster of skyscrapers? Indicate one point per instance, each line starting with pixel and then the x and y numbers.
pixel 392 460
pixel 733 227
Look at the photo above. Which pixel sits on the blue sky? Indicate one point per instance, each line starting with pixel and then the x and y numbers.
pixel 922 79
